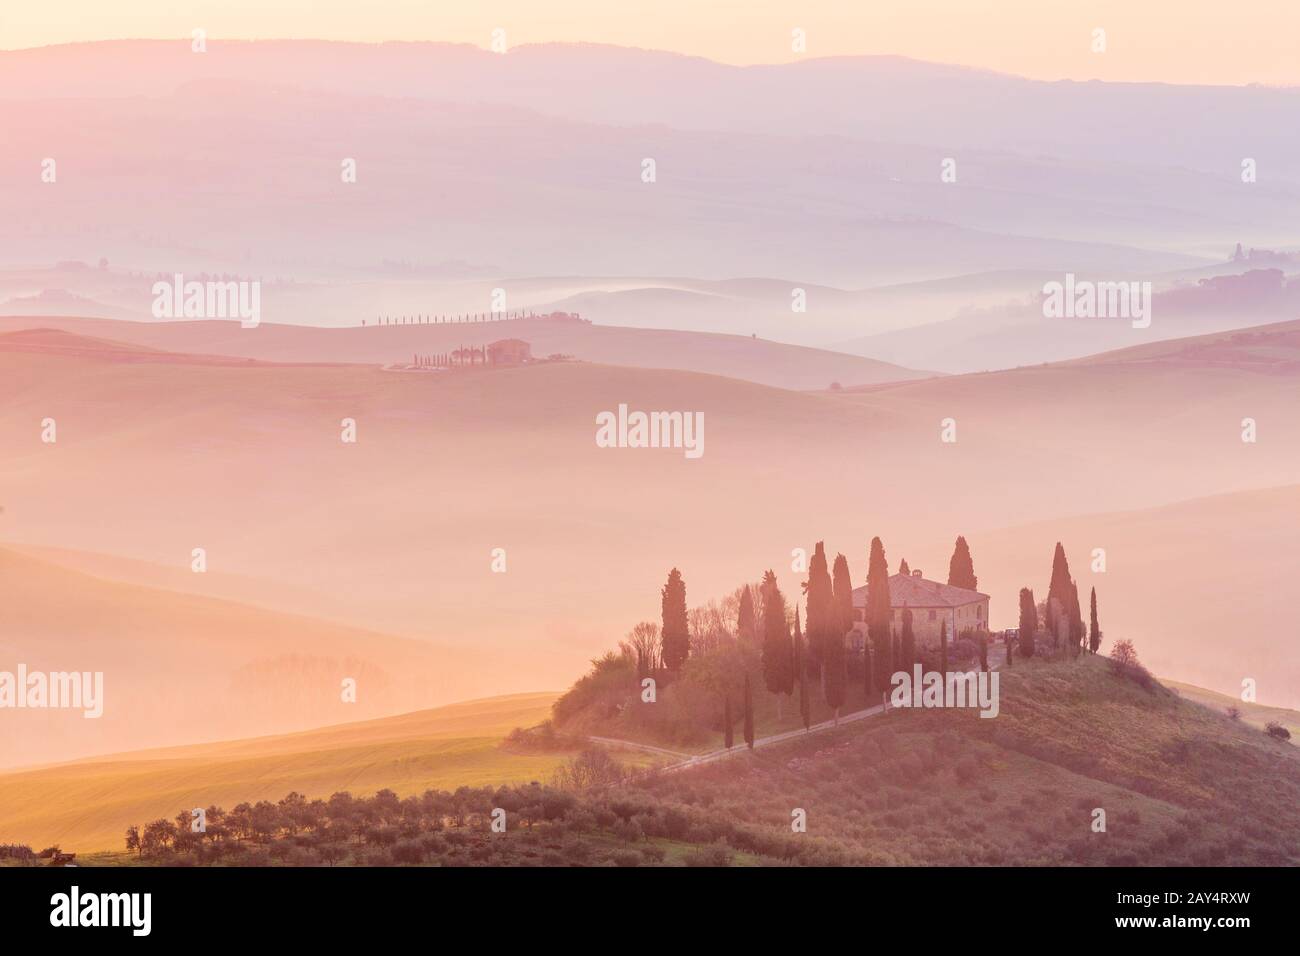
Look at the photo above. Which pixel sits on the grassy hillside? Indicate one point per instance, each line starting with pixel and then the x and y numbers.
pixel 1180 784
pixel 88 804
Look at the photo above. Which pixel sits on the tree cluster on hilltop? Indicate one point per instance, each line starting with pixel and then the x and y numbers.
pixel 724 665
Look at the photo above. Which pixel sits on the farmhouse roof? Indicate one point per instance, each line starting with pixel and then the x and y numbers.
pixel 912 590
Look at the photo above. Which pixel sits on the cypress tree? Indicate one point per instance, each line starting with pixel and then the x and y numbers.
pixel 833 673
pixel 745 619
pixel 984 651
pixel 1077 632
pixel 778 667
pixel 868 678
pixel 840 621
pixel 1057 622
pixel 903 568
pixel 1028 622
pixel 833 676
pixel 819 606
pixel 675 636
pixel 749 714
pixel 801 671
pixel 878 609
pixel 1094 636
pixel 878 614
pixel 1059 588
pixel 883 647
pixel 842 589
pixel 727 738
pixel 961 569
pixel 796 649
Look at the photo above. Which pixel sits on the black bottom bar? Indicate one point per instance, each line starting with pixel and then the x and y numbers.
pixel 933 905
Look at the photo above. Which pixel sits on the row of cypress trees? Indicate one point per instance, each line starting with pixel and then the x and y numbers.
pixel 1063 620
pixel 790 660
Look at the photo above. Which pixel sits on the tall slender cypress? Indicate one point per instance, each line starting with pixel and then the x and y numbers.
pixel 745 626
pixel 1077 631
pixel 868 678
pixel 838 624
pixel 796 647
pixel 820 607
pixel 749 714
pixel 1060 586
pixel 801 673
pixel 674 637
pixel 961 569
pixel 778 667
pixel 1028 621
pixel 878 615
pixel 1094 636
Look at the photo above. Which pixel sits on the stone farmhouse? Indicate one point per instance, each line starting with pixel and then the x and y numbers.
pixel 931 603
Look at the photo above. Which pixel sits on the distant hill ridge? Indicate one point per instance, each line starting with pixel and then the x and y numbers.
pixel 734 356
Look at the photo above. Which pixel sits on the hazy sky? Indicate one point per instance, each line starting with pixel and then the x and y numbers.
pixel 1178 41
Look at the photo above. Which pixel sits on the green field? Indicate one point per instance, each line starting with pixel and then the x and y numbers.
pixel 87 805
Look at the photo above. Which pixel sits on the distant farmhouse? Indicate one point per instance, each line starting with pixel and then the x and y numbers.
pixel 509 352
pixel 931 604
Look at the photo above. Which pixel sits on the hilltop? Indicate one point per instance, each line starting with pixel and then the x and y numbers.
pixel 1180 784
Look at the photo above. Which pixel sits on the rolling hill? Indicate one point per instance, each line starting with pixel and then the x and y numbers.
pixel 1179 784
pixel 398 530
pixel 528 176
pixel 733 356
pixel 88 804
pixel 181 667
pixel 1017 333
